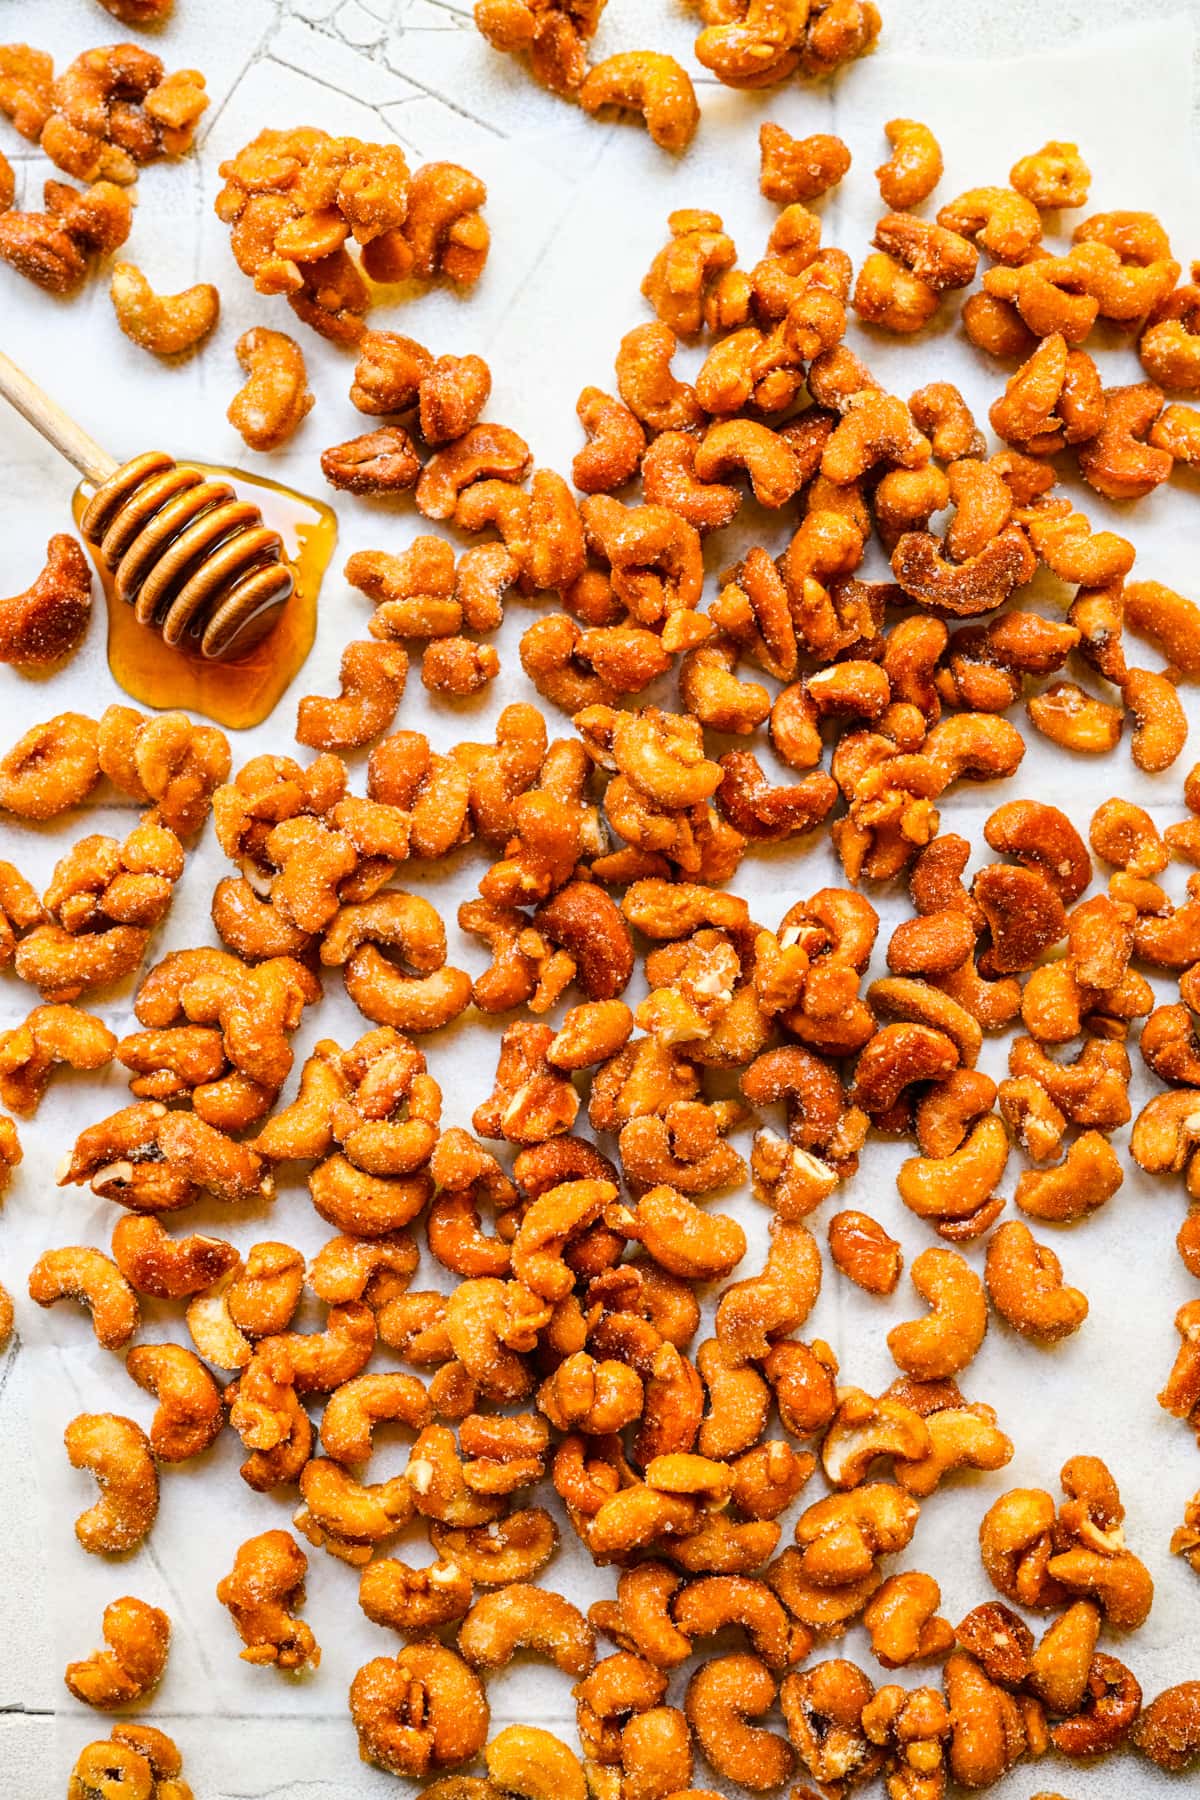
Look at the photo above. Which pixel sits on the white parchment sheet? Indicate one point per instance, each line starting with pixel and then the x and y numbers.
pixel 576 218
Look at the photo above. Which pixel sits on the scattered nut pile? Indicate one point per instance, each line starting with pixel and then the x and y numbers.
pixel 112 111
pixel 744 43
pixel 569 1354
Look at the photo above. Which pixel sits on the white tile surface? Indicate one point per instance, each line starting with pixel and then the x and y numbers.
pixel 416 67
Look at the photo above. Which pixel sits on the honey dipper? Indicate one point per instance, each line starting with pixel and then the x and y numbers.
pixel 196 564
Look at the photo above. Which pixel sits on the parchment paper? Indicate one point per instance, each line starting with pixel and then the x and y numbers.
pixel 576 216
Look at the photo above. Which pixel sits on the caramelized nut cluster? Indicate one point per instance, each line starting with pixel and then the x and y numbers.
pixel 56 248
pixel 553 34
pixel 296 200
pixel 107 114
pixel 744 43
pixel 139 1758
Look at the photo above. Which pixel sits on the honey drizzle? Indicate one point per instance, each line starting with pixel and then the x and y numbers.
pixel 243 691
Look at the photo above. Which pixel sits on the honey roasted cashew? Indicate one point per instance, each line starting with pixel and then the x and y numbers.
pixel 414 1600
pixel 753 1313
pixel 1042 838
pixel 322 1360
pixel 190 1410
pixel 755 50
pixel 81 1273
pixel 1024 1280
pixel 904 1624
pixel 1001 221
pixel 649 83
pixel 684 272
pixel 1087 1178
pixel 955 1187
pixel 640 1620
pixel 910 1727
pixel 523 1617
pixel 276 397
pixel 165 324
pixel 515 1548
pixel 212 1330
pixel 1121 1585
pixel 356 1406
pixel 616 442
pixel 411 925
pixel 590 1396
pixel 723 1695
pixel 680 1237
pixel 682 1149
pixel 766 457
pixel 1060 1663
pixel 381 1272
pixel 802 1378
pixel 656 1751
pixel 874 426
pixel 948 1109
pixel 1015 1541
pixel 137 1636
pixel 655 397
pixel 141 1761
pixel 1168 1731
pixel 53 766
pixel 864 1252
pixel 372 678
pixel 824 1706
pixel 1025 916
pixel 799 168
pixel 369 1206
pixel 864 1429
pixel 914 168
pixel 265 1291
pixel 347 1517
pixel 533 1764
pixel 1054 176
pixel 485 1321
pixel 935 255
pixel 988 1734
pixel 1117 462
pixel 960 1436
pixel 1000 1641
pixel 817 1608
pixel 168 1268
pixel 842 1536
pixel 484 452
pixel 1182 1390
pixel 964 589
pixel 261 1592
pixel 942 1344
pixel 117 1452
pixel 714 1602
pixel 896 1056
pixel 50 1035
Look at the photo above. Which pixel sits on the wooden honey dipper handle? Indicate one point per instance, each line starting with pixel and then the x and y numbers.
pixel 56 426
pixel 192 560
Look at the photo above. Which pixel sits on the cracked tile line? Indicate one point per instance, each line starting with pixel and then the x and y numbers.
pixel 462 20
pixel 376 107
pixel 384 53
pixel 287 1788
pixel 464 112
pixel 258 54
